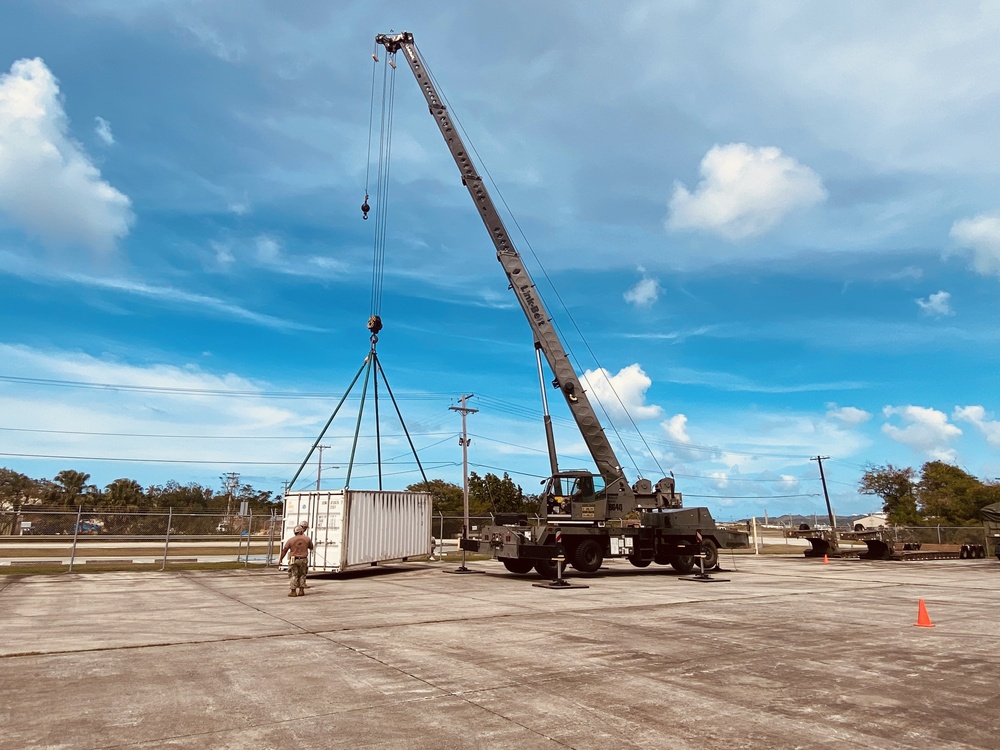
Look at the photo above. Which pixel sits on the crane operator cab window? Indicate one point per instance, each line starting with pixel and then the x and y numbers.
pixel 567 490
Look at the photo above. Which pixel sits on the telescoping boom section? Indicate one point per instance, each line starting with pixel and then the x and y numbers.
pixel 581 507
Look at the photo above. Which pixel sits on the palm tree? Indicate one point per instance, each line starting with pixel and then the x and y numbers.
pixel 71 484
pixel 123 494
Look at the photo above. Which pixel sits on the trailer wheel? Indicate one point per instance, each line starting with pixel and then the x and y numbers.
pixel 637 562
pixel 711 553
pixel 683 564
pixel 517 565
pixel 588 556
pixel 546 569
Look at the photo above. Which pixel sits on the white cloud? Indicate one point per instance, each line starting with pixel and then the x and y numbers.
pixel 720 479
pixel 980 237
pixel 180 297
pixel 909 273
pixel 927 431
pixel 937 304
pixel 48 185
pixel 103 130
pixel 239 208
pixel 624 392
pixel 156 399
pixel 789 482
pixel 644 293
pixel 976 416
pixel 681 446
pixel 676 428
pixel 223 253
pixel 849 415
pixel 744 191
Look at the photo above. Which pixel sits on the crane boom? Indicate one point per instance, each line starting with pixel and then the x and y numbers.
pixel 521 283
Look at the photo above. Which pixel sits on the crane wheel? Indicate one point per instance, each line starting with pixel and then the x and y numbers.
pixel 683 564
pixel 588 556
pixel 711 553
pixel 517 565
pixel 638 563
pixel 545 568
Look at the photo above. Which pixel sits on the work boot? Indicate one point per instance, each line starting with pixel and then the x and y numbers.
pixel 301 592
pixel 292 593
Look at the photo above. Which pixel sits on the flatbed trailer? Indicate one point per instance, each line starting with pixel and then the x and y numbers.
pixel 881 546
pixel 822 542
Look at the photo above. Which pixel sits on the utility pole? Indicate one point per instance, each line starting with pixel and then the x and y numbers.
pixel 319 466
pixel 826 495
pixel 231 482
pixel 464 442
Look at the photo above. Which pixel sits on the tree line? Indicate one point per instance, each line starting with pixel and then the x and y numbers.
pixel 488 494
pixel 70 489
pixel 940 495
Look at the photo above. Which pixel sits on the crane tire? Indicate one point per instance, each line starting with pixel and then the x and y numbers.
pixel 683 564
pixel 711 553
pixel 546 569
pixel 588 556
pixel 638 563
pixel 517 565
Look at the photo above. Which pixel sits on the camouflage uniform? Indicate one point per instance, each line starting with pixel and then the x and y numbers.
pixel 297 569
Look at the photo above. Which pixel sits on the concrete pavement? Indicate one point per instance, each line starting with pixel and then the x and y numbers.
pixel 790 653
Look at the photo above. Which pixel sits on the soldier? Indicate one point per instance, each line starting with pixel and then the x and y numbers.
pixel 298 548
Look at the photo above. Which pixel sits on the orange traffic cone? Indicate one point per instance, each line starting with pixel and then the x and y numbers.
pixel 826 560
pixel 923 620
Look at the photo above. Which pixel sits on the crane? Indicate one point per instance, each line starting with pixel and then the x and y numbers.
pixel 579 507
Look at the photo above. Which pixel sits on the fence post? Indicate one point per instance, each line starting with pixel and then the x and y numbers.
pixel 441 532
pixel 166 539
pixel 939 533
pixel 76 532
pixel 270 542
pixel 246 559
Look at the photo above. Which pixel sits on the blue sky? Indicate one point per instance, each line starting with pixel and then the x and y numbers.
pixel 776 226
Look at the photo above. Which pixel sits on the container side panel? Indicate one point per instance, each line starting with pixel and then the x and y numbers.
pixel 387 526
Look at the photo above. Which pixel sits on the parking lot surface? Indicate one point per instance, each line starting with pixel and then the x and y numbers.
pixel 788 653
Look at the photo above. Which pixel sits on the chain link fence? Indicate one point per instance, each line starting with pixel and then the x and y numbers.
pixel 36 536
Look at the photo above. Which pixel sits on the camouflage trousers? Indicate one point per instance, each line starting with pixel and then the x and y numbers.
pixel 297 568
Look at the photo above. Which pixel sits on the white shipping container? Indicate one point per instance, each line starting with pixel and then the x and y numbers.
pixel 354 528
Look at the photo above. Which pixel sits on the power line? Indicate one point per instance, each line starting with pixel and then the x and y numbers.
pixel 208 437
pixel 414 396
pixel 220 461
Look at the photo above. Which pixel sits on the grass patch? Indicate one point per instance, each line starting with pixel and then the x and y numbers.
pixel 56 568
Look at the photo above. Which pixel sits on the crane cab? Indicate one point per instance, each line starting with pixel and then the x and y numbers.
pixel 575 496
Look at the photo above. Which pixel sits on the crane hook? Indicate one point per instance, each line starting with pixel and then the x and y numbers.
pixel 365 208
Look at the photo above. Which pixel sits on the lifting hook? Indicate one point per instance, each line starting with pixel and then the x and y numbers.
pixel 365 208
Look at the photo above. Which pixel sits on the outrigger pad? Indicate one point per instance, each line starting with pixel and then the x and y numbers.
pixel 563 584
pixel 705 578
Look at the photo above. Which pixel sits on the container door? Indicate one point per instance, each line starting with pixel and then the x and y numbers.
pixel 329 531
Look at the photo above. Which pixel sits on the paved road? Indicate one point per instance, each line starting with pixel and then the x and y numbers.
pixel 789 653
